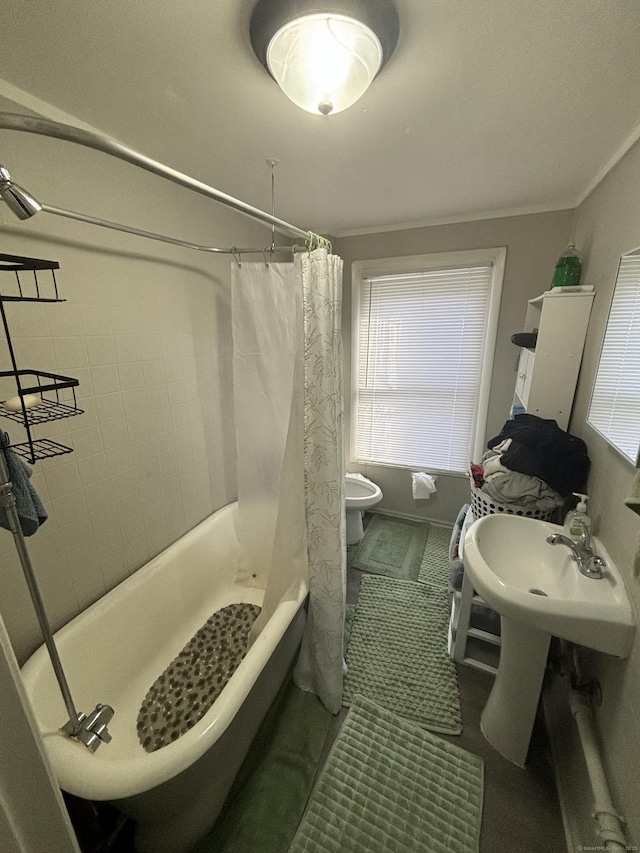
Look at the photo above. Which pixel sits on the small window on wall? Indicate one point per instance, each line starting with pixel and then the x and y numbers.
pixel 424 333
pixel 615 403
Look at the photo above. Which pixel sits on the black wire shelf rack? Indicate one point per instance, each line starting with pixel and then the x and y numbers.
pixel 41 396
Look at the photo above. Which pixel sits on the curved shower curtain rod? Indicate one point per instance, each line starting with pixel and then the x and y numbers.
pixel 99 142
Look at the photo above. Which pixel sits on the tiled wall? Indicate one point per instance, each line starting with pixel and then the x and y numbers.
pixel 146 329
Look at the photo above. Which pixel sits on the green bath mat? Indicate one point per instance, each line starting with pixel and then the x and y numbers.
pixel 397 653
pixel 390 787
pixel 434 568
pixel 268 798
pixel 392 547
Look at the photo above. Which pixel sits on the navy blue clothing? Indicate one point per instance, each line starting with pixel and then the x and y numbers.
pixel 541 449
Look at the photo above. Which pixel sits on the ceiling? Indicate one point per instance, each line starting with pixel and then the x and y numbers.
pixel 485 108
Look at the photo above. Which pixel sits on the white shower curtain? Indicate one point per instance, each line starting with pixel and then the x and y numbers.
pixel 268 408
pixel 289 426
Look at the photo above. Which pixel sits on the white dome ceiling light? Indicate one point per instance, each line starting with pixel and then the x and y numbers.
pixel 324 55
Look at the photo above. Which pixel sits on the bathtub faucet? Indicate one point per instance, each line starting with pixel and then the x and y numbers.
pixel 91 730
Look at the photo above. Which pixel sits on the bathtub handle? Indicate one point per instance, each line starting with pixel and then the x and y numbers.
pixel 92 730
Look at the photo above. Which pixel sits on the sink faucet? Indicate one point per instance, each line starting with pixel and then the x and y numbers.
pixel 589 563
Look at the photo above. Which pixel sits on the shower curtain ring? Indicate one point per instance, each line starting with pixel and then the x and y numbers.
pixel 264 255
pixel 237 257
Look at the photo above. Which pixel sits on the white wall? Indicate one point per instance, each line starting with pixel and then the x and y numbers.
pixel 607 224
pixel 533 245
pixel 146 330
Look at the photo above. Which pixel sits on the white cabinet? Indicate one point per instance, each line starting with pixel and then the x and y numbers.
pixel 525 372
pixel 547 376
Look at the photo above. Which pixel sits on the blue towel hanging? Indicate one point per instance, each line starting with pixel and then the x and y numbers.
pixel 31 512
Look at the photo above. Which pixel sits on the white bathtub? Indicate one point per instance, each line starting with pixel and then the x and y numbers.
pixel 114 651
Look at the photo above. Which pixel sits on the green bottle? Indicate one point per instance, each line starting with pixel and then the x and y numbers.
pixel 568 269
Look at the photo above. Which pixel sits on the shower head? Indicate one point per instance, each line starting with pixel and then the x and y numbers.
pixel 19 201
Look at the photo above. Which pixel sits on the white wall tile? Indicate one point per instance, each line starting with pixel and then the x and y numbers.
pixel 139 427
pixel 114 434
pixel 154 371
pixel 105 378
pixel 70 352
pixel 84 561
pixel 77 533
pixel 131 375
pixel 86 440
pixel 180 415
pixel 36 353
pixel 69 508
pixel 157 397
pixel 127 348
pixel 101 350
pixel 95 320
pixel 104 520
pixel 177 393
pixel 27 320
pixel 124 482
pixel 134 401
pixel 132 528
pixel 119 459
pixel 99 494
pixel 173 369
pixel 93 468
pixel 138 552
pixel 150 346
pixel 108 407
pixel 64 478
pixel 64 320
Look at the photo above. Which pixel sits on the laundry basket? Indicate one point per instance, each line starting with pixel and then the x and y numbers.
pixel 482 504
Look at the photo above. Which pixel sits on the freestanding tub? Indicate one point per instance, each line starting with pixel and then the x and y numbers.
pixel 114 651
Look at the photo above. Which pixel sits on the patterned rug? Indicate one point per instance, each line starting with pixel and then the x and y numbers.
pixel 397 654
pixel 393 547
pixel 387 786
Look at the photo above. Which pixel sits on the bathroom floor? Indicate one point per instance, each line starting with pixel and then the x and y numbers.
pixel 521 809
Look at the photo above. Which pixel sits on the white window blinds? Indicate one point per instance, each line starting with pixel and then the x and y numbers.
pixel 615 404
pixel 421 348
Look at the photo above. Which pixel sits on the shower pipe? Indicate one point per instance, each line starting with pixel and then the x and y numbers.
pixel 100 142
pixel 89 730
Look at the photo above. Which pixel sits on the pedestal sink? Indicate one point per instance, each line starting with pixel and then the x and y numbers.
pixel 539 592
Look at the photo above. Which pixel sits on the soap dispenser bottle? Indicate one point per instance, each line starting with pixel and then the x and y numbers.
pixel 577 519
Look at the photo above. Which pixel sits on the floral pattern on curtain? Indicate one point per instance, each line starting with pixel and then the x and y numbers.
pixel 320 665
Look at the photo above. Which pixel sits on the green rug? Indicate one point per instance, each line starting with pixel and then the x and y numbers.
pixel 434 568
pixel 392 547
pixel 390 786
pixel 397 653
pixel 268 798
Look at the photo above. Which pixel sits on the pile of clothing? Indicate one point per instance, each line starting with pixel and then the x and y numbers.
pixel 532 463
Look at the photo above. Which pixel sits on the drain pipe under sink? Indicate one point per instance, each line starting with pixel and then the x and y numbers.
pixel 608 820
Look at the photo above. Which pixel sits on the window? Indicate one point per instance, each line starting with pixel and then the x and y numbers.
pixel 615 403
pixel 424 336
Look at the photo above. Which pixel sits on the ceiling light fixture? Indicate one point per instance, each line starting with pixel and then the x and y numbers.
pixel 324 53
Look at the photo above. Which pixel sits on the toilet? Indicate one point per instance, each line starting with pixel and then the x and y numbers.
pixel 359 494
